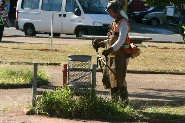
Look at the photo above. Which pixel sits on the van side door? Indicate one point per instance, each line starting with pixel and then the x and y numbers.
pixel 70 20
pixel 48 8
pixel 27 13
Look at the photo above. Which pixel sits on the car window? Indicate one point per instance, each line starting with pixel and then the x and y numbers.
pixel 158 8
pixel 51 5
pixel 71 5
pixel 151 8
pixel 30 4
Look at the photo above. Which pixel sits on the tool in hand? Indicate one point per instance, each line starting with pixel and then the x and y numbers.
pixel 100 60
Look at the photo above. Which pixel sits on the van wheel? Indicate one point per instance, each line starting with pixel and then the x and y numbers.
pixel 29 30
pixel 55 34
pixel 154 22
pixel 81 32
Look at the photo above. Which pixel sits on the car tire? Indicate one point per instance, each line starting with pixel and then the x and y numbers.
pixel 55 34
pixel 29 30
pixel 80 32
pixel 154 22
pixel 170 23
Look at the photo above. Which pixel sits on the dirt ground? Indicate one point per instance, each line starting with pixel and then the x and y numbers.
pixel 143 90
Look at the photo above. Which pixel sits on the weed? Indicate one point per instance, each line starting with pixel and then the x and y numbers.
pixel 64 103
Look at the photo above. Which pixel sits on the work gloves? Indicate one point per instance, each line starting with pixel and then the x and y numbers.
pixel 107 52
pixel 97 43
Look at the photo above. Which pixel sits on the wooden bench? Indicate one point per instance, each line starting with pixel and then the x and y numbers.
pixel 133 39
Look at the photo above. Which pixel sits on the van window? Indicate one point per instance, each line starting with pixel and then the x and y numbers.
pixel 92 7
pixel 51 5
pixel 71 5
pixel 30 4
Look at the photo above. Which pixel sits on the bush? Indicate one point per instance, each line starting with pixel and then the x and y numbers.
pixel 64 103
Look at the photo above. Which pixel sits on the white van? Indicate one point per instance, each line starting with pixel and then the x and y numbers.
pixel 79 17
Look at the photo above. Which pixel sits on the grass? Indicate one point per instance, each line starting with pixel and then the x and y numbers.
pixel 63 103
pixel 40 52
pixel 165 112
pixel 163 57
pixel 160 58
pixel 20 75
pixel 167 57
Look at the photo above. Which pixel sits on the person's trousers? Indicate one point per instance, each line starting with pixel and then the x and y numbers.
pixel 119 93
pixel 1 31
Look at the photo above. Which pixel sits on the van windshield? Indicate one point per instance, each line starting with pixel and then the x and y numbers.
pixel 92 7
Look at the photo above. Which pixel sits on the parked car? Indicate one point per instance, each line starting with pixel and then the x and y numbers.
pixel 156 18
pixel 137 16
pixel 136 5
pixel 172 21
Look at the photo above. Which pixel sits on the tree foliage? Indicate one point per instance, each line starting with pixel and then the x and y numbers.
pixel 179 4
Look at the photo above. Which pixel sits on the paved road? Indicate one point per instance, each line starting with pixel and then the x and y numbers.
pixel 157 33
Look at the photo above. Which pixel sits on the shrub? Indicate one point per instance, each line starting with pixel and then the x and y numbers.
pixel 64 103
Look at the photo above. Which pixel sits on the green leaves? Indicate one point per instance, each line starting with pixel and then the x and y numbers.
pixel 63 103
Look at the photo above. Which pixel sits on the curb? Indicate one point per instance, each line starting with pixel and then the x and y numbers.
pixel 150 72
pixel 165 42
pixel 5 35
pixel 154 72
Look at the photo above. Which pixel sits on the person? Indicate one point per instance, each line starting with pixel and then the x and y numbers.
pixel 3 17
pixel 182 26
pixel 116 53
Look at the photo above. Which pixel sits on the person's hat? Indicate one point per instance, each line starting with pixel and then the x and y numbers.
pixel 109 4
pixel 113 4
pixel 2 2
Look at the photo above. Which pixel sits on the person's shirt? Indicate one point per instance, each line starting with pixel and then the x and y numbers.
pixel 5 16
pixel 123 31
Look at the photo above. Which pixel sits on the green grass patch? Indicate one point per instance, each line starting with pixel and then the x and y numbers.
pixel 17 75
pixel 65 104
pixel 161 111
pixel 164 112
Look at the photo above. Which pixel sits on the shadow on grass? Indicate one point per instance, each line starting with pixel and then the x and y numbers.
pixel 157 115
pixel 163 118
pixel 41 82
pixel 160 94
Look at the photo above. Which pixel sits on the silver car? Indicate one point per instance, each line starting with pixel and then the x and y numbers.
pixel 156 18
